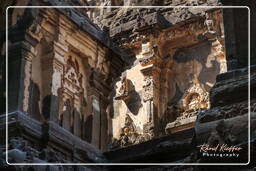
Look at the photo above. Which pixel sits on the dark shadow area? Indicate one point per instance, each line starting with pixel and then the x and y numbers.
pixel 200 53
pixel 2 83
pixel 46 107
pixel 34 109
pixel 134 101
pixel 178 95
pixel 88 129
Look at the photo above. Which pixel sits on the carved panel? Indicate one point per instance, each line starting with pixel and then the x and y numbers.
pixel 148 88
pixel 129 134
pixel 72 93
pixel 195 98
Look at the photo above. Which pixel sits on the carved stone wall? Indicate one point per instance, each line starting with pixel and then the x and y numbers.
pixel 172 73
pixel 67 78
pixel 64 69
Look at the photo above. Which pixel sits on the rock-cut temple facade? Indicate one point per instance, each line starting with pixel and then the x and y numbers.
pixel 126 85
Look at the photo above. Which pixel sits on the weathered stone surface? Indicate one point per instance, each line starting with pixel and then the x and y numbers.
pixel 47 137
pixel 233 131
pixel 232 89
pixel 227 111
pixel 157 150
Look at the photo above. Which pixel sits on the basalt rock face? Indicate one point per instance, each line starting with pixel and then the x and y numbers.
pixel 232 87
pixel 227 120
pixel 127 85
pixel 127 24
pixel 226 125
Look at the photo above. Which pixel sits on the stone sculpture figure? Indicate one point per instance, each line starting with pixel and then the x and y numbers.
pixel 128 134
pixel 210 33
pixel 124 89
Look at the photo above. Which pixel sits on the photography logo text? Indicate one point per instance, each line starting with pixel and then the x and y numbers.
pixel 219 150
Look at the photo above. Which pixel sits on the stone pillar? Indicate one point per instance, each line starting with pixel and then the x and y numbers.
pixel 156 99
pixel 151 89
pixel 96 124
pixel 58 69
pixel 104 123
pixel 236 33
pixel 148 89
pixel 236 42
pixel 230 40
pixel 20 56
pixel 47 76
pixel 26 68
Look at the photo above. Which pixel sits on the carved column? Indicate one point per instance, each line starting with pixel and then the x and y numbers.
pixel 148 88
pixel 104 123
pixel 26 63
pixel 156 98
pixel 151 84
pixel 58 69
pixel 47 73
pixel 236 33
pixel 96 127
pixel 19 78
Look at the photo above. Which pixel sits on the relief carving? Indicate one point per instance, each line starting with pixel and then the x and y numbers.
pixel 209 23
pixel 21 152
pixel 129 135
pixel 196 97
pixel 148 88
pixel 218 51
pixel 194 100
pixel 123 92
pixel 72 94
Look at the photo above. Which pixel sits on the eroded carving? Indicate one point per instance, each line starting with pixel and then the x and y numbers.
pixel 127 134
pixel 21 151
pixel 195 98
pixel 148 88
pixel 123 92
